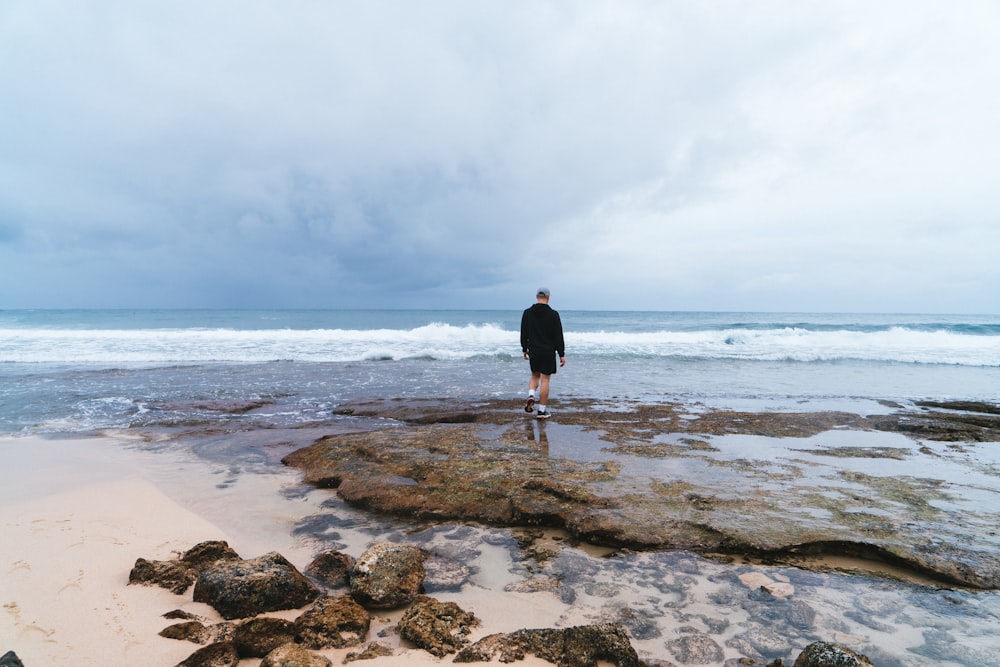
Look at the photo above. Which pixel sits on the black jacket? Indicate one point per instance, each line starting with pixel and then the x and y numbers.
pixel 541 331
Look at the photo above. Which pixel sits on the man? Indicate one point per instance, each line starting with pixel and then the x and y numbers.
pixel 541 341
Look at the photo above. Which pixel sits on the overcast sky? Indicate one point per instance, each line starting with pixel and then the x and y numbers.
pixel 674 155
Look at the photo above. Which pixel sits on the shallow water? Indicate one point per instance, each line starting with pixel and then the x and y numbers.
pixel 663 598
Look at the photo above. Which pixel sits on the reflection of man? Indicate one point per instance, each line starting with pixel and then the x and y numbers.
pixel 541 341
pixel 535 433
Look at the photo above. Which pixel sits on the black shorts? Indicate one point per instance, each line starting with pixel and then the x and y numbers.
pixel 544 363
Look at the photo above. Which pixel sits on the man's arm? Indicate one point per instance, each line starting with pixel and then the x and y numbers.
pixel 560 343
pixel 524 334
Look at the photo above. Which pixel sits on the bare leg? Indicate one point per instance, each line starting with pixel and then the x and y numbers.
pixel 535 379
pixel 543 392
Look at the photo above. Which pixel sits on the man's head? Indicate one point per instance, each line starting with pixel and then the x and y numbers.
pixel 542 295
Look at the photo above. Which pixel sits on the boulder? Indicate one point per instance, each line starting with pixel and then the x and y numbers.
pixel 220 654
pixel 826 654
pixel 331 569
pixel 178 575
pixel 259 636
pixel 293 655
pixel 333 622
pixel 437 627
pixel 175 576
pixel 206 553
pixel 388 576
pixel 192 631
pixel 10 659
pixel 239 588
pixel 580 646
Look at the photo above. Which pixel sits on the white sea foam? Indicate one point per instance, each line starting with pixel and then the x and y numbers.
pixel 450 342
pixel 897 344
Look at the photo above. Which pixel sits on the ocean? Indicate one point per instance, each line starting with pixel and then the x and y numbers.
pixel 87 370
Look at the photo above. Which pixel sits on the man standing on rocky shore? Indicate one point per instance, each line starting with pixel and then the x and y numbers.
pixel 541 342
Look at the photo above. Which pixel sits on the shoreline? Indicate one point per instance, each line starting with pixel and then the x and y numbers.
pixel 110 499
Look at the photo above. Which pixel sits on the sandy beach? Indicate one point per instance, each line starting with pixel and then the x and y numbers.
pixel 76 514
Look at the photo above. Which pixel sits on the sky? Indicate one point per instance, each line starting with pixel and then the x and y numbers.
pixel 672 155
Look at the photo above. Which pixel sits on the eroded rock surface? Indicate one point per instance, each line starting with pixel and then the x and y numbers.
pixel 476 463
pixel 333 623
pixel 437 627
pixel 239 588
pixel 826 654
pixel 219 654
pixel 293 655
pixel 387 575
pixel 579 646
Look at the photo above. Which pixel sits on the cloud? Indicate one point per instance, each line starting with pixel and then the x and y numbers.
pixel 778 156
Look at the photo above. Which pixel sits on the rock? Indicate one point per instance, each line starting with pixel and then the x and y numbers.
pixel 580 646
pixel 446 465
pixel 199 633
pixel 760 641
pixel 695 649
pixel 10 659
pixel 826 654
pixel 220 654
pixel 239 588
pixel 437 627
pixel 333 622
pixel 175 576
pixel 388 576
pixel 178 575
pixel 259 636
pixel 373 650
pixel 205 553
pixel 293 655
pixel 445 574
pixel 331 568
pixel 192 631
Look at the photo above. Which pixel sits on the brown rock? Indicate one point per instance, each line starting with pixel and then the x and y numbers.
pixel 175 576
pixel 579 646
pixel 460 470
pixel 239 588
pixel 220 654
pixel 388 576
pixel 259 636
pixel 437 627
pixel 331 568
pixel 334 622
pixel 293 655
pixel 372 651
pixel 206 553
pixel 192 631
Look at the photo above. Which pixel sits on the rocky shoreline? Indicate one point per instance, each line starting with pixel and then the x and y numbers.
pixel 658 489
pixel 804 505
pixel 475 463
pixel 385 576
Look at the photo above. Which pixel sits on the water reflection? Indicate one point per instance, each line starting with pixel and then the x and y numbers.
pixel 535 431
